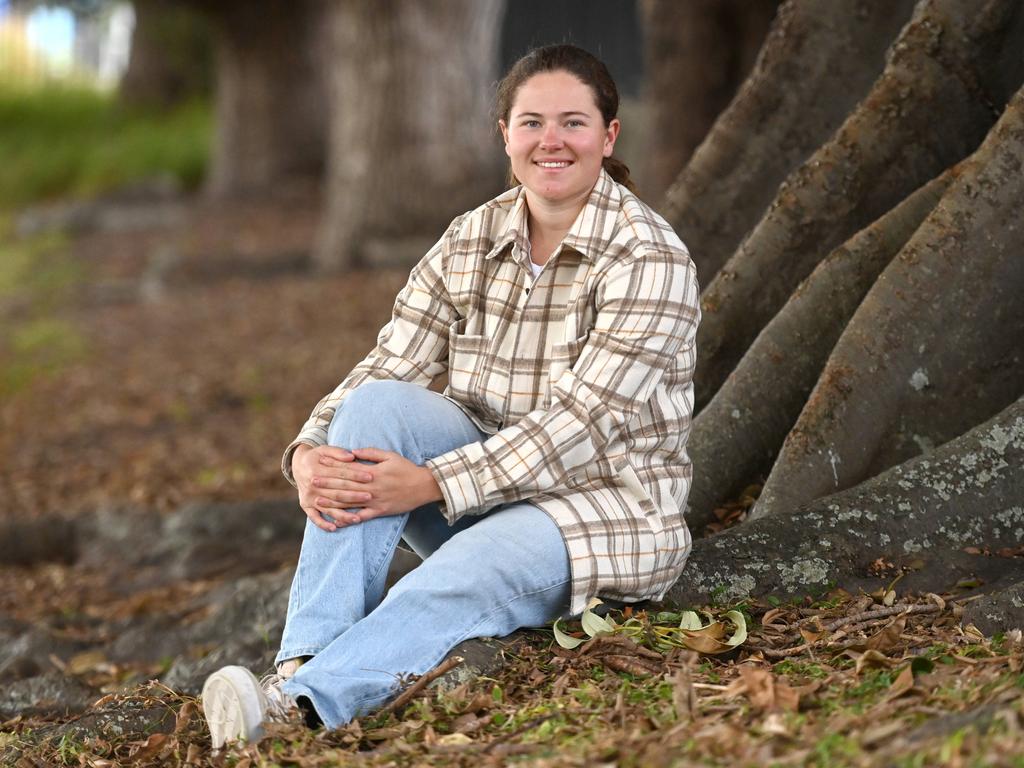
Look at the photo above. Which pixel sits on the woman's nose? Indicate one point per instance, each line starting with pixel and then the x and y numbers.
pixel 551 137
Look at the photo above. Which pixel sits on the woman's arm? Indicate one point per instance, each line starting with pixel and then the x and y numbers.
pixel 412 347
pixel 648 311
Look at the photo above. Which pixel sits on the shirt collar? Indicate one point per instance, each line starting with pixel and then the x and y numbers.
pixel 589 234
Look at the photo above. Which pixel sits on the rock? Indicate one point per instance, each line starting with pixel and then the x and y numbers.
pixel 25 651
pixel 244 627
pixel 997 612
pixel 49 694
pixel 198 541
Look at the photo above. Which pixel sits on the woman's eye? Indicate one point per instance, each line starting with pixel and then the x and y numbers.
pixel 532 123
pixel 575 123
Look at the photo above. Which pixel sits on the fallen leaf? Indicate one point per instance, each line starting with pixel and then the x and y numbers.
pixel 903 683
pixel 869 658
pixel 888 637
pixel 764 691
pixel 454 740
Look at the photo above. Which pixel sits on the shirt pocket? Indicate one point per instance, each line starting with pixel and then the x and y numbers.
pixel 563 358
pixel 476 377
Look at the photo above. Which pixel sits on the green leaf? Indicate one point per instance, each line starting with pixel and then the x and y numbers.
pixel 564 640
pixel 594 625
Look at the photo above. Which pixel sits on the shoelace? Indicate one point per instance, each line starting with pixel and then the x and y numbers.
pixel 279 704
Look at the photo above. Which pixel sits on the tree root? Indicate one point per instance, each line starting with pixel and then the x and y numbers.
pixel 921 514
pixel 737 436
pixel 934 347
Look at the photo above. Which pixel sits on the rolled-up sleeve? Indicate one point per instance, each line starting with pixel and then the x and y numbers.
pixel 647 315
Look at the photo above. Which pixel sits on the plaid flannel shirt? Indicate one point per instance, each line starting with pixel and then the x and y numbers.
pixel 582 380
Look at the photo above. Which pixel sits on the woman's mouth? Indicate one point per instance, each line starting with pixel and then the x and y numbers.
pixel 554 164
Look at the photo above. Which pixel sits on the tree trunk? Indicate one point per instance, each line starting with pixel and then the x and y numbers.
pixel 171 57
pixel 270 98
pixel 818 60
pixel 696 55
pixel 412 142
pixel 935 346
pixel 737 436
pixel 950 68
pixel 920 515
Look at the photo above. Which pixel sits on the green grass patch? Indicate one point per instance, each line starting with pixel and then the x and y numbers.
pixel 37 276
pixel 73 141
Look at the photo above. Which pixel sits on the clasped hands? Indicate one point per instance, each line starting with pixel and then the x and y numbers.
pixel 333 481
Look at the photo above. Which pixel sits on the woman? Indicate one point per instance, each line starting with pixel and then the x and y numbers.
pixel 553 469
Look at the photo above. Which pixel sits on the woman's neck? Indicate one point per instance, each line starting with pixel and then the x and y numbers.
pixel 549 223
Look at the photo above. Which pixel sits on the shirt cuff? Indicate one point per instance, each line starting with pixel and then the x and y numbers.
pixel 459 486
pixel 289 452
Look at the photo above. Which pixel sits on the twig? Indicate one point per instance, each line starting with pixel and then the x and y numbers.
pixel 407 695
pixel 622 641
pixel 866 616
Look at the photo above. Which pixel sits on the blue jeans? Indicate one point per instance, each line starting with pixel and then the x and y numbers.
pixel 485 576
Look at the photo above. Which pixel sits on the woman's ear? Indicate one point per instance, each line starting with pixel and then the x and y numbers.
pixel 611 134
pixel 503 126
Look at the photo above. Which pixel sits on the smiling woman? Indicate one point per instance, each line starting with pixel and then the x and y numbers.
pixel 552 470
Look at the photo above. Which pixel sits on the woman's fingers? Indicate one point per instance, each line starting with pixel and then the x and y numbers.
pixel 342 499
pixel 344 479
pixel 336 454
pixel 373 454
pixel 319 520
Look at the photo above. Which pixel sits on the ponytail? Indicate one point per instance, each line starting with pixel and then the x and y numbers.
pixel 619 172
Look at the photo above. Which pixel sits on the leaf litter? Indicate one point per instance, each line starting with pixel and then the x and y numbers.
pixel 920 690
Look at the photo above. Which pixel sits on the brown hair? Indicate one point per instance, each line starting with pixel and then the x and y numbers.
pixel 588 69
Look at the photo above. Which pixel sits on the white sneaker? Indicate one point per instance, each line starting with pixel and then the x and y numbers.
pixel 236 704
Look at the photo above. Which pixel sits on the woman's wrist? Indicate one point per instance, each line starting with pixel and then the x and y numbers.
pixel 432 490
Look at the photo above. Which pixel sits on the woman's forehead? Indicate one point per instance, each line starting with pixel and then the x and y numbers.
pixel 554 92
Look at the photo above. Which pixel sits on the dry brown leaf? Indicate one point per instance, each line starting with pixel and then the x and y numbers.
pixel 870 658
pixel 148 749
pixel 184 716
pixel 763 690
pixel 810 636
pixel 903 683
pixel 888 637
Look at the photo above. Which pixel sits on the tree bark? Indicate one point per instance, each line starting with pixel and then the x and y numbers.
pixel 412 143
pixel 270 107
pixel 818 60
pixel 696 55
pixel 171 57
pixel 920 514
pixel 737 436
pixel 935 346
pixel 950 68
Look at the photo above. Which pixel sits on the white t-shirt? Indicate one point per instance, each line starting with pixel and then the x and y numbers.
pixel 535 268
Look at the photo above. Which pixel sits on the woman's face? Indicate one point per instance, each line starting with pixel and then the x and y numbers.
pixel 556 138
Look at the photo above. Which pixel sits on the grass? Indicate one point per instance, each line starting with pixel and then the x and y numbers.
pixel 37 276
pixel 60 141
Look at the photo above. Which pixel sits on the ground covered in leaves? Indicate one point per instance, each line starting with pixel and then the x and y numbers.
pixel 168 358
pixel 844 681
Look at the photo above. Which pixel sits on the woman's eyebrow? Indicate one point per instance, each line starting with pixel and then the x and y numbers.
pixel 561 114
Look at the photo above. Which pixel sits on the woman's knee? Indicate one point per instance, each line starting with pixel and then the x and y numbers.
pixel 369 412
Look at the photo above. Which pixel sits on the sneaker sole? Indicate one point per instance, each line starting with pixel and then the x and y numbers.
pixel 232 705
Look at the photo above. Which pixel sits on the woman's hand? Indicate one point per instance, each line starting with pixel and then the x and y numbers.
pixel 329 480
pixel 396 485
